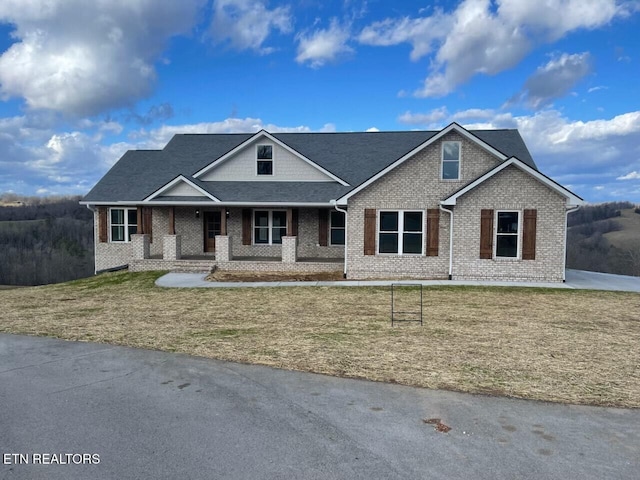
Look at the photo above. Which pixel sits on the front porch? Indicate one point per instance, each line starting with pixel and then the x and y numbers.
pixel 200 239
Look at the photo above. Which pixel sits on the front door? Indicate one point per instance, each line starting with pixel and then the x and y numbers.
pixel 212 222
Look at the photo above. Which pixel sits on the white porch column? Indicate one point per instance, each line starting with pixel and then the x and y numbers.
pixel 289 249
pixel 171 247
pixel 223 248
pixel 140 246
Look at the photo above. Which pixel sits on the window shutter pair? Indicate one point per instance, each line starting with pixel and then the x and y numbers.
pixel 432 233
pixel 528 234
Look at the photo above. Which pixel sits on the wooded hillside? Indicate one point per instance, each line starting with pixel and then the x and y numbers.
pixel 45 241
pixel 605 238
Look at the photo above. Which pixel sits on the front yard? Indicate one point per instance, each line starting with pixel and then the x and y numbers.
pixel 558 345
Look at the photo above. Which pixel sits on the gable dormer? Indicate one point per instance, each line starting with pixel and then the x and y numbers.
pixel 264 158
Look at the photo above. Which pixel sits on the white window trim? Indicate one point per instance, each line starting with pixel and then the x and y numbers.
pixel 442 160
pixel 400 233
pixel 341 228
pixel 270 226
pixel 126 223
pixel 273 163
pixel 519 235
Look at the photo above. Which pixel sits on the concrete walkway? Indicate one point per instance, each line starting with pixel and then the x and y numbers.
pixel 576 279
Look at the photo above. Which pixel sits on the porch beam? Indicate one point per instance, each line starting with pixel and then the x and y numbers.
pixel 172 220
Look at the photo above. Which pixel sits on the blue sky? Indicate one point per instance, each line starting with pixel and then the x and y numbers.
pixel 82 82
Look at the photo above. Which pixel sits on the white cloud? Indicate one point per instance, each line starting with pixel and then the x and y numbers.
pixel 323 46
pixel 595 89
pixel 246 24
pixel 81 58
pixel 429 118
pixel 486 37
pixel 554 80
pixel 373 129
pixel 630 176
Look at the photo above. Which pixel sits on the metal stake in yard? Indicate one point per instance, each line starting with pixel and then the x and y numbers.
pixel 414 315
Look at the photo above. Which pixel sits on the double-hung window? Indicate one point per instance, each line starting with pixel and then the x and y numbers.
pixel 336 228
pixel 400 232
pixel 269 226
pixel 507 234
pixel 124 223
pixel 450 160
pixel 264 154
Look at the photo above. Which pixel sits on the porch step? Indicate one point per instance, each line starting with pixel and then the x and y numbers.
pixel 193 266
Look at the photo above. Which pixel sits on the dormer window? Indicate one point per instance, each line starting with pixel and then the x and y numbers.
pixel 450 161
pixel 265 160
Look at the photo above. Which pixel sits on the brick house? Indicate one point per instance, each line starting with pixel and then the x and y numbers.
pixel 454 203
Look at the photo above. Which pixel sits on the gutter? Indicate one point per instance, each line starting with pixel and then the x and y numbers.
pixel 210 203
pixel 346 229
pixel 95 244
pixel 566 234
pixel 450 212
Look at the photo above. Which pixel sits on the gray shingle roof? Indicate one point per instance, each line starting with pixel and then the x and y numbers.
pixel 353 157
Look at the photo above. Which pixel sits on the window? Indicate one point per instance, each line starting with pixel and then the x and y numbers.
pixel 507 234
pixel 450 160
pixel 265 160
pixel 269 226
pixel 400 232
pixel 336 228
pixel 124 223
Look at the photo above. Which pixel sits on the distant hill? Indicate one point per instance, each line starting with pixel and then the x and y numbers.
pixel 605 238
pixel 45 241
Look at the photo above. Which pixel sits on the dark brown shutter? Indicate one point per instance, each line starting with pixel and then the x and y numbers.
pixel 323 227
pixel 294 222
pixel 486 233
pixel 369 231
pixel 433 230
pixel 147 222
pixel 246 226
pixel 529 235
pixel 102 225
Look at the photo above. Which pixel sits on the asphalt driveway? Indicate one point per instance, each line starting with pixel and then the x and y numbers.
pixel 155 415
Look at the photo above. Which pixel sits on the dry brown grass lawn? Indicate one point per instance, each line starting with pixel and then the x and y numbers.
pixel 558 345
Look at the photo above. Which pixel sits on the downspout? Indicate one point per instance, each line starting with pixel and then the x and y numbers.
pixel 566 234
pixel 95 249
pixel 346 225
pixel 450 212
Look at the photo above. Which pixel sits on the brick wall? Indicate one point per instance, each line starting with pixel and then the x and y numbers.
pixel 416 185
pixel 511 189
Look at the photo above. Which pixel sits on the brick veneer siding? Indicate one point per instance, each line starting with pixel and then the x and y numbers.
pixel 414 185
pixel 160 225
pixel 109 255
pixel 510 189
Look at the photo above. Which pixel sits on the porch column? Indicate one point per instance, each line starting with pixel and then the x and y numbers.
pixel 140 246
pixel 172 220
pixel 171 247
pixel 223 248
pixel 172 243
pixel 289 249
pixel 223 223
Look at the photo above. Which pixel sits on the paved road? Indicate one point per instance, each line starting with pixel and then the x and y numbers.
pixel 576 279
pixel 154 415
